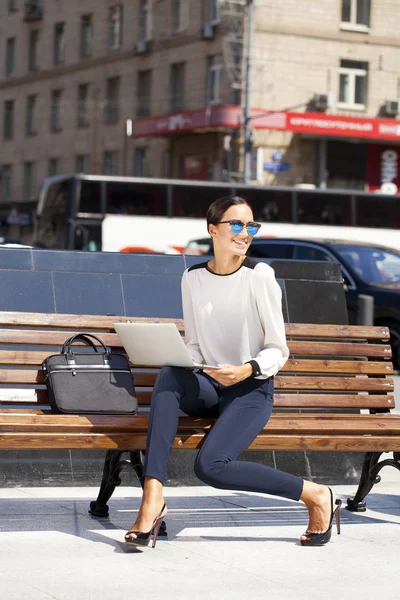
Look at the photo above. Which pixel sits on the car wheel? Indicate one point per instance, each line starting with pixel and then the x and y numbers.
pixel 394 329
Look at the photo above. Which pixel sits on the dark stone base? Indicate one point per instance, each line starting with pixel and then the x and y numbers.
pixel 20 468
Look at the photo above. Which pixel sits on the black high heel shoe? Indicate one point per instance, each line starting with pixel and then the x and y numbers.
pixel 320 539
pixel 141 538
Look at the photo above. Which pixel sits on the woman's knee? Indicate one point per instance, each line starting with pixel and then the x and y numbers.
pixel 209 470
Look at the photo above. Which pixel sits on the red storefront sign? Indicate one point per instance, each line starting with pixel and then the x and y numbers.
pixel 229 117
pixel 383 166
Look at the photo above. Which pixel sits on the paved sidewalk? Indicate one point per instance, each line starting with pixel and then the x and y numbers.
pixel 220 545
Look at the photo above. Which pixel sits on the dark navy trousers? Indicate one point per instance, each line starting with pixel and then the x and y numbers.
pixel 242 410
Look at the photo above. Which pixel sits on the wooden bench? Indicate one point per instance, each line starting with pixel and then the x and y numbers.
pixel 333 372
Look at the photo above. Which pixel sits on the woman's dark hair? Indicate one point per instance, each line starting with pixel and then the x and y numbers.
pixel 218 208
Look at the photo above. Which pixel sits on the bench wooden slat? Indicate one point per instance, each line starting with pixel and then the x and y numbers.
pixel 289 382
pixel 125 441
pixel 35 358
pixel 289 400
pixel 337 331
pixel 287 424
pixel 332 348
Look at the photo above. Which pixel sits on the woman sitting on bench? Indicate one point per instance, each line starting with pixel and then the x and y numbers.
pixel 233 319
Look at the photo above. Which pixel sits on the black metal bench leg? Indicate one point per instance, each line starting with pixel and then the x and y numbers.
pixel 137 465
pixel 111 471
pixel 369 476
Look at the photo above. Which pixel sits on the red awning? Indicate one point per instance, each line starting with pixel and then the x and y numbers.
pixel 229 117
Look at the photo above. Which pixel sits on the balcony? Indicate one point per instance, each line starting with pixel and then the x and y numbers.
pixel 33 11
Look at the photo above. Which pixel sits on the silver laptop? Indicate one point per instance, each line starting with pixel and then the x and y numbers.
pixel 152 344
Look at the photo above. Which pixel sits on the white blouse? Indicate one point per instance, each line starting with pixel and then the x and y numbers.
pixel 231 319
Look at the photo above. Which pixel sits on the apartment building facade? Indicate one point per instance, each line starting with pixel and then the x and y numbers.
pixel 146 88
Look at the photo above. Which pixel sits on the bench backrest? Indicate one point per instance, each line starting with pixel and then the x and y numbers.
pixel 330 366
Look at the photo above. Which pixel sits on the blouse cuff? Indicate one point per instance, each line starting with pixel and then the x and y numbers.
pixel 256 368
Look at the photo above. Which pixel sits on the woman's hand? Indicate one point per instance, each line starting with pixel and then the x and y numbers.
pixel 229 375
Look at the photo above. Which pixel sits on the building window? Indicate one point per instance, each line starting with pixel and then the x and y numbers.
pixel 82 163
pixel 356 14
pixel 115 27
pixel 31 104
pixel 8 120
pixel 29 180
pixel 83 105
pixel 59 43
pixel 10 57
pixel 353 78
pixel 56 111
pixel 178 20
pixel 112 100
pixel 12 6
pixel 54 166
pixel 213 11
pixel 110 166
pixel 145 20
pixel 33 50
pixel 86 36
pixel 143 94
pixel 214 75
pixel 139 167
pixel 6 181
pixel 177 87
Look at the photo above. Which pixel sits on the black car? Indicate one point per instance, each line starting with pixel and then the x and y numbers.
pixel 367 269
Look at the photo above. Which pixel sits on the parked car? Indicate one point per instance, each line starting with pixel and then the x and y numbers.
pixel 368 269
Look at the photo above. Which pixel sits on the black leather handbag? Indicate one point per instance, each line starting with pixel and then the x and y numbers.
pixel 89 382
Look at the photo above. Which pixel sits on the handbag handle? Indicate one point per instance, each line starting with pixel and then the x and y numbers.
pixel 66 349
pixel 80 337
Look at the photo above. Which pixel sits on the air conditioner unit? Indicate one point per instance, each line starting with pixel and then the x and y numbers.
pixel 142 46
pixel 392 107
pixel 208 31
pixel 33 11
pixel 321 102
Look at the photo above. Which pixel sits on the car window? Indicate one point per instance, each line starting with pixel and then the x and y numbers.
pixel 269 249
pixel 304 252
pixel 374 265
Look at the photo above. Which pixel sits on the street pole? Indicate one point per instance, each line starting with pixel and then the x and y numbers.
pixel 247 108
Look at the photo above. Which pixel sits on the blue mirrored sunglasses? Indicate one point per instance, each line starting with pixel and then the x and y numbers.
pixel 237 226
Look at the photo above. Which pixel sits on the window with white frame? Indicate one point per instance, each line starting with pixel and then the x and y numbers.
pixel 115 27
pixel 214 77
pixel 179 15
pixel 353 80
pixel 356 14
pixel 213 8
pixel 6 180
pixel 145 20
pixel 86 36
